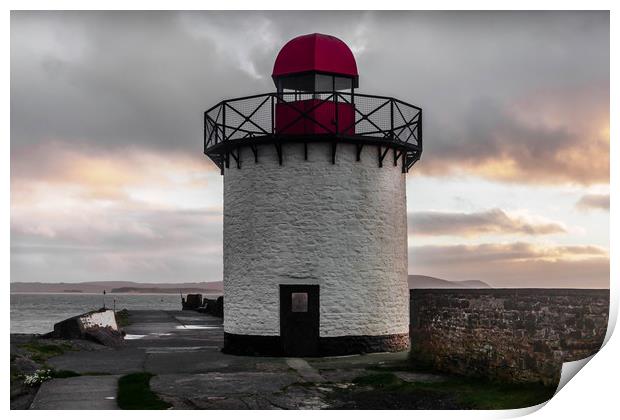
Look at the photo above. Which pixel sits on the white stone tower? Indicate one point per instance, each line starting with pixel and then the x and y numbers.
pixel 315 218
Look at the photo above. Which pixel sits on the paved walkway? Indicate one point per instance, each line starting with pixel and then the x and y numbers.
pixel 78 393
pixel 183 350
pixel 303 368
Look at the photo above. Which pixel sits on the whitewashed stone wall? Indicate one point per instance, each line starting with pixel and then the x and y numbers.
pixel 342 226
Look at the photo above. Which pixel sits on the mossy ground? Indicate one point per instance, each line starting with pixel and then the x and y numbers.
pixel 465 393
pixel 26 358
pixel 134 393
pixel 40 352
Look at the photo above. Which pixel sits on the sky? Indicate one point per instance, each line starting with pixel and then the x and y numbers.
pixel 109 182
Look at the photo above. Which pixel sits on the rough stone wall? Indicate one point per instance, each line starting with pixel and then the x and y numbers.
pixel 342 226
pixel 515 335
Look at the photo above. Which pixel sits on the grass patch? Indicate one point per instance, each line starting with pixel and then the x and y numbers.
pixel 409 365
pixel 473 394
pixel 64 374
pixel 496 396
pixel 122 318
pixel 380 381
pixel 40 352
pixel 134 393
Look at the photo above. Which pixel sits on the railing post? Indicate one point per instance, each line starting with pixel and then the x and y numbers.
pixel 204 131
pixel 224 122
pixel 335 101
pixel 336 110
pixel 353 106
pixel 391 118
pixel 273 128
pixel 420 131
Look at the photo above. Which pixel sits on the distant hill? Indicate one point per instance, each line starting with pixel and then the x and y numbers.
pixel 427 282
pixel 162 290
pixel 116 287
pixel 415 282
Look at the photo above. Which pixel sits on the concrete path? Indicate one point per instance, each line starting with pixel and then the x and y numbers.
pixel 183 350
pixel 78 393
pixel 307 372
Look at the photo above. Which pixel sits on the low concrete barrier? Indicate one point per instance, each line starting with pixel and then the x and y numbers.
pixel 99 326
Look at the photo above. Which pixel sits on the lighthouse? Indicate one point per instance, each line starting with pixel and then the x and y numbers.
pixel 315 217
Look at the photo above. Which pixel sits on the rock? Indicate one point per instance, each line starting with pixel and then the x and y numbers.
pixel 215 307
pixel 193 301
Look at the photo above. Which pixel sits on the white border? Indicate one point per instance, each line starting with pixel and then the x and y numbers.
pixel 591 395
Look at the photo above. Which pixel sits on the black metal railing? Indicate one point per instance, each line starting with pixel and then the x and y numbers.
pixel 367 119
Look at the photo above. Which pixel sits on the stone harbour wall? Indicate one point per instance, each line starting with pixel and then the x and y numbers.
pixel 512 335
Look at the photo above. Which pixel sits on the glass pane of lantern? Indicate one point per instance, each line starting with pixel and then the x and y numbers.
pixel 343 83
pixel 299 302
pixel 304 83
pixel 324 83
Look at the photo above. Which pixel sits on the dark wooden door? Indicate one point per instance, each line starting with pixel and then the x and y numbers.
pixel 299 319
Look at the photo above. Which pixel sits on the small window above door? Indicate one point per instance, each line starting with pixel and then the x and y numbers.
pixel 299 302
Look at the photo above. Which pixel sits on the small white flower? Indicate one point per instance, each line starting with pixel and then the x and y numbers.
pixel 38 377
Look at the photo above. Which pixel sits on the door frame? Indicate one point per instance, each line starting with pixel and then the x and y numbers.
pixel 311 346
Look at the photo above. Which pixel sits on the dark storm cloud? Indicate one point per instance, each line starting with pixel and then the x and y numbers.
pixel 140 78
pixel 110 79
pixel 594 202
pixel 494 221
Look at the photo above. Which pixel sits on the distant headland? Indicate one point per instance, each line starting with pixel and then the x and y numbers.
pixel 415 282
pixel 117 287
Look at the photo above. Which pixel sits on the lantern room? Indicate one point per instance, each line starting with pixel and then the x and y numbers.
pixel 313 68
pixel 315 62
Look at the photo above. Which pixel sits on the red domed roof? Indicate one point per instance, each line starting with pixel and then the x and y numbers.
pixel 315 52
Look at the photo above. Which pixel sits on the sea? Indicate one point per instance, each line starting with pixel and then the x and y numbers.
pixel 36 313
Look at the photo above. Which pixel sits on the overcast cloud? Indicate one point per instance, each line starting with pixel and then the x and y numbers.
pixel 494 221
pixel 525 90
pixel 594 202
pixel 106 138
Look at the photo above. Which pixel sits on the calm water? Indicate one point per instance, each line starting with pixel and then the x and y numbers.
pixel 38 312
